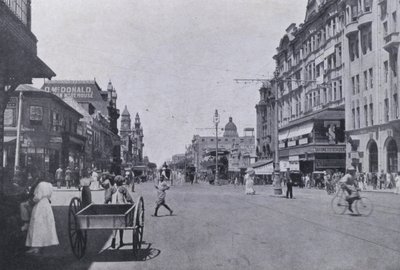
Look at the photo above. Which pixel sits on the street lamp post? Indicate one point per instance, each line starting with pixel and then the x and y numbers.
pixel 277 180
pixel 216 122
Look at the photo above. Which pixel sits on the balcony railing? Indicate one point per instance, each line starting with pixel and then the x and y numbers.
pixel 392 40
pixel 21 9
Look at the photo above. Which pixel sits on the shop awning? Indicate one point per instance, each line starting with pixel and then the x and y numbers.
pixel 283 135
pixel 9 139
pixel 301 130
pixel 263 167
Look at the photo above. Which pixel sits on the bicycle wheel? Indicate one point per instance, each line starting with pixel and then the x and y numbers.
pixel 364 206
pixel 339 204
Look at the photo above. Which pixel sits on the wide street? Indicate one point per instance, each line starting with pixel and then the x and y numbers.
pixel 218 227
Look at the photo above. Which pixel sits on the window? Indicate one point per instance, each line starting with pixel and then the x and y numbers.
pixel 394 64
pixel 358 83
pixel 340 89
pixel 371 113
pixel 365 80
pixel 353 84
pixel 353 47
pixel 367 5
pixel 386 71
pixel 334 91
pixel 36 113
pixel 358 117
pixel 366 115
pixel 386 112
pixel 394 20
pixel 395 107
pixel 10 116
pixel 56 122
pixel 385 29
pixel 371 78
pixel 353 112
pixel 366 39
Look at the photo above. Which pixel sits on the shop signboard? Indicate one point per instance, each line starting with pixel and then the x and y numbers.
pixel 284 165
pixel 55 139
pixel 303 141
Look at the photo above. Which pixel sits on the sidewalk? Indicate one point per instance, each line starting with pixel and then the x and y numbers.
pixel 72 189
pixel 370 189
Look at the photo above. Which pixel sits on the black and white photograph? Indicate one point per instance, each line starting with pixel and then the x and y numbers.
pixel 199 134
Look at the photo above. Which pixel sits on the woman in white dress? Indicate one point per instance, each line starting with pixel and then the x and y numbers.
pixel 42 228
pixel 249 178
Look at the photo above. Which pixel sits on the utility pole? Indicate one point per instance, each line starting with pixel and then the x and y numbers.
pixel 216 122
pixel 18 142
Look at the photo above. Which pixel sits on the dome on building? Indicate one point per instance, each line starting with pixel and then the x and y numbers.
pixel 126 112
pixel 230 129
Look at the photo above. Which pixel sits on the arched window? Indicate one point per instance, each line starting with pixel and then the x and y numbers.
pixel 373 156
pixel 392 157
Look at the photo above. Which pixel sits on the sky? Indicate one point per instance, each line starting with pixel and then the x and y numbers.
pixel 174 62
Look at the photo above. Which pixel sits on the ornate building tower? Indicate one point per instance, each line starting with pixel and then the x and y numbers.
pixel 138 140
pixel 125 129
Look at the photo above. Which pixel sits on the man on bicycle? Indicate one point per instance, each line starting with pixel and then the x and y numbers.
pixel 347 184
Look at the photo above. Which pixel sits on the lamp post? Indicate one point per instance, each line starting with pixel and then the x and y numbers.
pixel 277 180
pixel 216 122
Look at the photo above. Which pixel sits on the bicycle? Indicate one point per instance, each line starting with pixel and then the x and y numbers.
pixel 363 205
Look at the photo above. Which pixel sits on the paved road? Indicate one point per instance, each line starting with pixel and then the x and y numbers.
pixel 218 227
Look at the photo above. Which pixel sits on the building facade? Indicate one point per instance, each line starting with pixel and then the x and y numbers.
pixel 372 107
pixel 19 62
pixel 238 150
pixel 50 135
pixel 310 90
pixel 132 141
pixel 103 146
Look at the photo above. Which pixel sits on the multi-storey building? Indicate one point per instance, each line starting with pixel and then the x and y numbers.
pixel 50 134
pixel 102 130
pixel 310 90
pixel 238 151
pixel 265 132
pixel 19 62
pixel 372 98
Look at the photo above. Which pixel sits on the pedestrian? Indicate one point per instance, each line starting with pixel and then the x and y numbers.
pixel 95 178
pixel 307 181
pixel 120 195
pixel 289 185
pixel 397 184
pixel 59 177
pixel 76 178
pixel 42 228
pixel 107 184
pixel 249 178
pixel 382 180
pixel 68 177
pixel 86 192
pixel 388 184
pixel 27 206
pixel 374 181
pixel 161 193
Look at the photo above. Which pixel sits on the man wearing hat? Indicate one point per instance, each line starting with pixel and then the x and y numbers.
pixel 347 183
pixel 249 178
pixel 289 185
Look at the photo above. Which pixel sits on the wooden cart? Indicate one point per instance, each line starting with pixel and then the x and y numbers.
pixel 104 217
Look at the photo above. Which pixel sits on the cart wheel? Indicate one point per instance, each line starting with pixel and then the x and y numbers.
pixel 77 237
pixel 137 235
